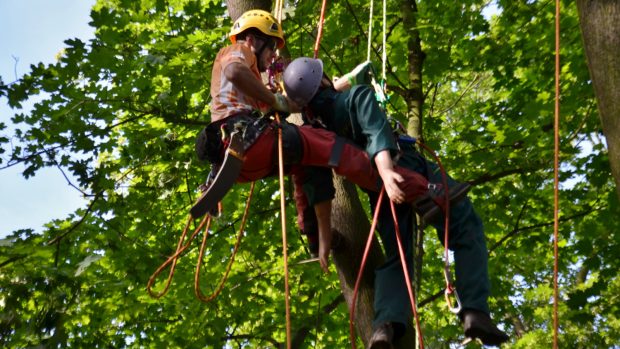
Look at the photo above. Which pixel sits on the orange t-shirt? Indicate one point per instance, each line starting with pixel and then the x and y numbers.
pixel 226 98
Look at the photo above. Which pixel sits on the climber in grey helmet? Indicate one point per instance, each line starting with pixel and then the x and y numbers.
pixel 349 108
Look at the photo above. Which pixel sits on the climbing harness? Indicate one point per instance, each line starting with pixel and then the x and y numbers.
pixel 227 175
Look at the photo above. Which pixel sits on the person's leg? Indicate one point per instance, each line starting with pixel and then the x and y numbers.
pixel 466 239
pixel 392 304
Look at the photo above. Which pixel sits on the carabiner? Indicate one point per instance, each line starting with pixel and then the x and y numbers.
pixel 450 290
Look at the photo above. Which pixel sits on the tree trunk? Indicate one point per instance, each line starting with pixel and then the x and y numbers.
pixel 601 35
pixel 237 7
pixel 347 208
pixel 415 102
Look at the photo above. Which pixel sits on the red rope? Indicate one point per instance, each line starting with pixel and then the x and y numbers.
pixel 403 262
pixel 450 289
pixel 320 31
pixel 181 248
pixel 410 291
pixel 361 270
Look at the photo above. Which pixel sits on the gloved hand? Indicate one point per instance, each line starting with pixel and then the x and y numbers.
pixel 362 74
pixel 281 103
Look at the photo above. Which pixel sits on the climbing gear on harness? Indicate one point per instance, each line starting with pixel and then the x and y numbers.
pixel 302 78
pixel 235 134
pixel 261 20
pixel 477 324
pixel 382 337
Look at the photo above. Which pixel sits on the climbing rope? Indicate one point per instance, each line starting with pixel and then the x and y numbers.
pixel 172 260
pixel 361 269
pixel 410 291
pixel 181 248
pixel 320 30
pixel 556 167
pixel 197 291
pixel 284 239
pixel 275 77
pixel 401 253
pixel 450 290
pixel 372 6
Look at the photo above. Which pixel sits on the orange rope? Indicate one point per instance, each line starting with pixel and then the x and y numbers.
pixel 284 240
pixel 197 291
pixel 320 31
pixel 172 260
pixel 556 166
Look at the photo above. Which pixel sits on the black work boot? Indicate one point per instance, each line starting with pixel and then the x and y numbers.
pixel 382 337
pixel 428 206
pixel 477 324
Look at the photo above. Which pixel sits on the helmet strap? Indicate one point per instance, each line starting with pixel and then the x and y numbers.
pixel 258 52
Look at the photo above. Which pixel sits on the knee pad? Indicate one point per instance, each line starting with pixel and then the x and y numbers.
pixel 292 147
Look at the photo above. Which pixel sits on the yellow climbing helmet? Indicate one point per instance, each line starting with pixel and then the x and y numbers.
pixel 261 20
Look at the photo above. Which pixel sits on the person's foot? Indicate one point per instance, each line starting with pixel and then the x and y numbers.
pixel 428 206
pixel 477 324
pixel 382 337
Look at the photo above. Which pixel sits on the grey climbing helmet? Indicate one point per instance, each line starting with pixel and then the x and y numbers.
pixel 302 79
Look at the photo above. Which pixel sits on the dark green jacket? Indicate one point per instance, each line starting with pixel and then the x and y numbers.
pixel 353 115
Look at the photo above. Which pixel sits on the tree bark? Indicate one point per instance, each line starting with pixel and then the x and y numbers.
pixel 237 7
pixel 601 35
pixel 347 208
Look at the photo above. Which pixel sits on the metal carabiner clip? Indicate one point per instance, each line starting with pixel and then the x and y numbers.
pixel 450 290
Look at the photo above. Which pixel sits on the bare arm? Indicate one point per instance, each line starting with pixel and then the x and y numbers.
pixel 323 212
pixel 243 78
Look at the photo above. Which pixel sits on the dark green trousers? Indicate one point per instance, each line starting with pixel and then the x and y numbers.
pixel 466 240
